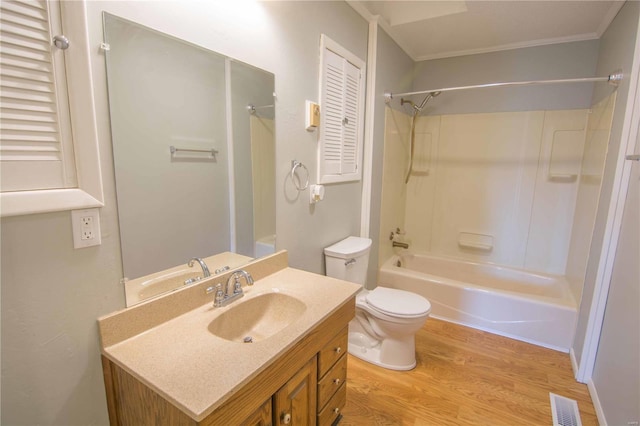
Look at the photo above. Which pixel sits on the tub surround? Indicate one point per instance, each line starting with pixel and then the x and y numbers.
pixel 165 343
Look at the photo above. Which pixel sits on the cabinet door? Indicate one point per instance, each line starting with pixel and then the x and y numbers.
pixel 295 402
pixel 261 417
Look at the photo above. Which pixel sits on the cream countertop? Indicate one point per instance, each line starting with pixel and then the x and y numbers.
pixel 197 371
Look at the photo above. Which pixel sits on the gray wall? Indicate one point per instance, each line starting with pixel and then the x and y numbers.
pixel 615 375
pixel 52 294
pixel 557 61
pixel 394 71
pixel 51 297
pixel 617 369
pixel 301 228
pixel 617 49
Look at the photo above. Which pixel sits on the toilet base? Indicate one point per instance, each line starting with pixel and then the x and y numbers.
pixel 369 350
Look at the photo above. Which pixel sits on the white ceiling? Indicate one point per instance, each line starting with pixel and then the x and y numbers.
pixel 439 29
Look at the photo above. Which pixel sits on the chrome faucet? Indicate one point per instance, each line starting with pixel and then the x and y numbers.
pixel 394 242
pixel 222 296
pixel 205 270
pixel 399 244
pixel 235 277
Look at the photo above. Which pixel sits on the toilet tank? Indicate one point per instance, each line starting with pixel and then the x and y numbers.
pixel 348 259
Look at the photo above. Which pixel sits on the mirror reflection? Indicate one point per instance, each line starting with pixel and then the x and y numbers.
pixel 194 155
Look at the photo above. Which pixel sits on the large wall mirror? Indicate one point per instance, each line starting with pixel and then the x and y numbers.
pixel 194 155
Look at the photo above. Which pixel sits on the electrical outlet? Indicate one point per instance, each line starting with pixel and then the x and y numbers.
pixel 86 228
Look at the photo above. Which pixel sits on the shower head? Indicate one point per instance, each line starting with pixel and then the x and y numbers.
pixel 425 100
pixel 417 109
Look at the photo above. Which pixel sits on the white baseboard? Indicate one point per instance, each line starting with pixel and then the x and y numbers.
pixel 574 363
pixel 596 403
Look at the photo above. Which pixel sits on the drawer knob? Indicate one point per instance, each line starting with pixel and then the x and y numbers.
pixel 336 381
pixel 286 418
pixel 338 349
pixel 336 410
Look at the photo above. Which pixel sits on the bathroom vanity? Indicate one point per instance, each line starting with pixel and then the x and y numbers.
pixel 178 360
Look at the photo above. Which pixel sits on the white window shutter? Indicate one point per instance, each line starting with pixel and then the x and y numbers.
pixel 351 120
pixel 332 114
pixel 34 122
pixel 341 112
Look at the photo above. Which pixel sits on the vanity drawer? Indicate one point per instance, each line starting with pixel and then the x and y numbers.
pixel 332 351
pixel 334 407
pixel 332 381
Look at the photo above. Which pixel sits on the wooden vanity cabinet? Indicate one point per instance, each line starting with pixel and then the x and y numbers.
pixel 263 416
pixel 307 382
pixel 332 375
pixel 295 403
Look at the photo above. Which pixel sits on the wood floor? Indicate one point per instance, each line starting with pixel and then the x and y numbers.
pixel 464 377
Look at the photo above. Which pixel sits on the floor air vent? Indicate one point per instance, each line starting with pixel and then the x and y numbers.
pixel 564 411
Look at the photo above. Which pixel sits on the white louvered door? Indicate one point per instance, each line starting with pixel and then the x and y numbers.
pixel 351 120
pixel 35 133
pixel 341 103
pixel 331 114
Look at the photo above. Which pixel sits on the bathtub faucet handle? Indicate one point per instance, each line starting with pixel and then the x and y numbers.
pixel 396 232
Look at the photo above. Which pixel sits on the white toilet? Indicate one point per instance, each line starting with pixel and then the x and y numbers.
pixel 387 319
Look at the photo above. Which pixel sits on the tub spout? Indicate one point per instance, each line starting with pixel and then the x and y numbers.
pixel 399 244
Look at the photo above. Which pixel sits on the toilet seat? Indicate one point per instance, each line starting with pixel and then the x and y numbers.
pixel 398 303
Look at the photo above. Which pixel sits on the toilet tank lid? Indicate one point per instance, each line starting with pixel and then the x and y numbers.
pixel 349 247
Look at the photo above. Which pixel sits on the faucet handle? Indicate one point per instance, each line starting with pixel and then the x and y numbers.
pixel 219 297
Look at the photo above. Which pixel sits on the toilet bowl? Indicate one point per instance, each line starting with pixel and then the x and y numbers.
pixel 383 330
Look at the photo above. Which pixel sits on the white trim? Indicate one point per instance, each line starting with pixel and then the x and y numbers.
pixel 230 157
pixel 46 201
pixel 364 12
pixel 614 222
pixel 370 98
pixel 85 136
pixel 510 46
pixel 574 361
pixel 596 403
pixel 327 43
pixel 609 17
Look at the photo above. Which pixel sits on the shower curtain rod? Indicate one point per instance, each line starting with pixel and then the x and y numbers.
pixel 612 78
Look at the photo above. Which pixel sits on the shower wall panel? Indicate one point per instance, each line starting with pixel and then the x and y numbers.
pixel 421 186
pixel 562 145
pixel 485 184
pixel 588 192
pixel 496 187
pixel 394 169
pixel 263 163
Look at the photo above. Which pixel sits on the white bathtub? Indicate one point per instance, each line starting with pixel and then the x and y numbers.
pixel 532 307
